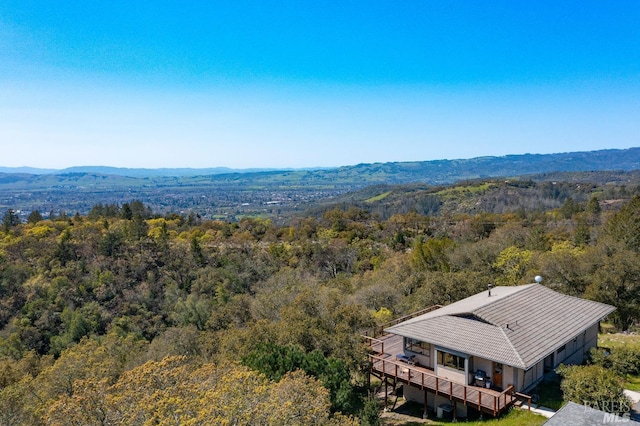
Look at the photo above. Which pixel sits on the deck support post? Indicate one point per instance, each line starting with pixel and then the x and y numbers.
pixel 386 383
pixel 425 412
pixel 455 410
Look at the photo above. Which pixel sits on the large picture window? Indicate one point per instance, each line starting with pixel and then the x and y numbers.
pixel 417 346
pixel 450 360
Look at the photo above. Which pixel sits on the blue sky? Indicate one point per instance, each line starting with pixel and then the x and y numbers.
pixel 304 84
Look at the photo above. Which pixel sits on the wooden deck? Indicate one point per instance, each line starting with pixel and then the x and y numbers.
pixel 385 366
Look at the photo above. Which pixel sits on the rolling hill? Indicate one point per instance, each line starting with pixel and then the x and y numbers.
pixel 230 195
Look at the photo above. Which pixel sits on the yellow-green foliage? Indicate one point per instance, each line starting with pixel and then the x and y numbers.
pixel 458 191
pixel 513 263
pixel 41 230
pixel 378 197
pixel 382 315
pixel 618 340
pixel 175 391
pixel 210 290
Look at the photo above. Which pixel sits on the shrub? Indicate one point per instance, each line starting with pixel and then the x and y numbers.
pixel 593 385
pixel 622 361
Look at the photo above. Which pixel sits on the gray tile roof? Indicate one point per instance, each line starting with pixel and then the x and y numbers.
pixel 517 325
pixel 574 414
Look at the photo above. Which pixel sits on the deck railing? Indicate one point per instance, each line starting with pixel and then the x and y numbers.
pixel 376 345
pixel 524 398
pixel 484 399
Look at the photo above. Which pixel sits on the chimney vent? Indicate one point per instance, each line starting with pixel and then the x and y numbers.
pixel 489 287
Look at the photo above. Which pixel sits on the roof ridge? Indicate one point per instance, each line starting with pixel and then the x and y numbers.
pixel 522 363
pixel 445 310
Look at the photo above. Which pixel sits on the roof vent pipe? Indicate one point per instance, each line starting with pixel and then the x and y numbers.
pixel 489 287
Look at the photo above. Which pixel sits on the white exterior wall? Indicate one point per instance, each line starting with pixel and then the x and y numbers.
pixel 577 348
pixel 452 374
pixel 575 352
pixel 461 409
pixel 481 364
pixel 509 373
pixel 591 337
pixel 509 376
pixel 414 394
pixel 530 377
pixel 455 376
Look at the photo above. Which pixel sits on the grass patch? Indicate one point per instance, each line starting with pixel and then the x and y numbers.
pixel 515 417
pixel 619 340
pixel 469 190
pixel 632 383
pixel 410 414
pixel 378 197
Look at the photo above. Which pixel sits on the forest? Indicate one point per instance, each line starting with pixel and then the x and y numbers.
pixel 125 316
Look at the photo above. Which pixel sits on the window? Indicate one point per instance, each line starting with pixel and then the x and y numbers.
pixel 450 360
pixel 417 346
pixel 562 348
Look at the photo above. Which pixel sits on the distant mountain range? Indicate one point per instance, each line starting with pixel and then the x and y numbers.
pixel 434 172
pixel 230 193
pixel 122 171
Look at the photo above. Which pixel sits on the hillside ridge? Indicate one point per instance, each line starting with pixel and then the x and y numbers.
pixel 281 193
pixel 619 159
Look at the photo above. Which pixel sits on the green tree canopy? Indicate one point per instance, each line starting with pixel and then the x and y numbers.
pixel 593 385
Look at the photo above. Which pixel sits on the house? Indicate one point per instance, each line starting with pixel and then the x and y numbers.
pixel 485 351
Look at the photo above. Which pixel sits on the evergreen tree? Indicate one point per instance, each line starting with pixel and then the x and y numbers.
pixel 370 414
pixel 126 212
pixel 34 217
pixel 9 220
